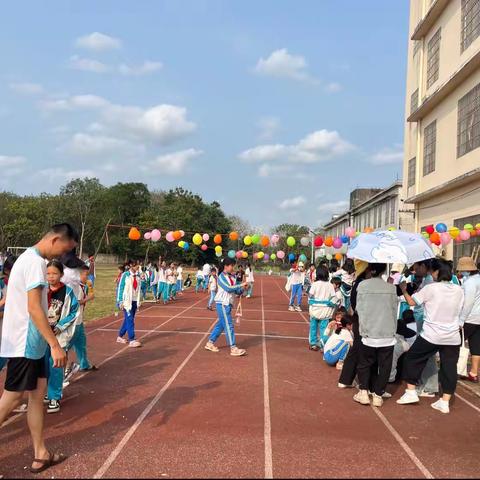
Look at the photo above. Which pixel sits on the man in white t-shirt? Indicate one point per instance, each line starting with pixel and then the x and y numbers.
pixel 26 335
pixel 207 269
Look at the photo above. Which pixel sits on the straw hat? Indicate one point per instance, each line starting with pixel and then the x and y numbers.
pixel 466 264
pixel 398 267
pixel 360 267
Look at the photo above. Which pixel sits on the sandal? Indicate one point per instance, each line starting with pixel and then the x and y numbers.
pixel 54 459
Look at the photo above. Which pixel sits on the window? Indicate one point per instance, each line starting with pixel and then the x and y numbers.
pixel 468 124
pixel 412 166
pixel 469 247
pixel 393 210
pixel 433 58
pixel 470 22
pixel 414 101
pixel 387 212
pixel 429 148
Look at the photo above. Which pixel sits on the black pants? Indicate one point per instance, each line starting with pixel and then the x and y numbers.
pixel 349 370
pixel 416 359
pixel 376 378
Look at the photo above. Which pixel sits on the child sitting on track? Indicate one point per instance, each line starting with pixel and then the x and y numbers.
pixel 338 343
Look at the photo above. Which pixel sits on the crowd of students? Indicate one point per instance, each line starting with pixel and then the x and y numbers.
pixel 380 327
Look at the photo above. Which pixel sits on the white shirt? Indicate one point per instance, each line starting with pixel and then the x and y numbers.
pixel 297 277
pixel 170 274
pixel 179 273
pixel 249 275
pixel 206 269
pixel 20 337
pixel 325 292
pixel 379 342
pixel 442 302
pixel 162 275
pixel 335 338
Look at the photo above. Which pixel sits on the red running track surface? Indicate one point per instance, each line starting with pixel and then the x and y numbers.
pixel 171 409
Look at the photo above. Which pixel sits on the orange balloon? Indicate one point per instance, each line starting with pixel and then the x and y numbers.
pixel 435 237
pixel 338 256
pixel 134 234
pixel 368 230
pixel 473 233
pixel 233 236
pixel 177 235
pixel 217 239
pixel 328 242
pixel 265 241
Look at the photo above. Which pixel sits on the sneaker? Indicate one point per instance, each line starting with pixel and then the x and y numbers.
pixel 471 378
pixel 53 406
pixel 384 395
pixel 376 400
pixel 72 370
pixel 441 406
pixel 121 340
pixel 342 385
pixel 211 346
pixel 426 394
pixel 291 308
pixel 237 352
pixel 315 348
pixel 410 396
pixel 339 366
pixel 65 384
pixel 298 309
pixel 362 397
pixel 134 344
pixel 21 409
pixel 248 296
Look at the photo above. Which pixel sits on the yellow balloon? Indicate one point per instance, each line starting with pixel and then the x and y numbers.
pixel 247 240
pixel 454 232
pixel 197 239
pixel 260 255
pixel 244 255
pixel 218 249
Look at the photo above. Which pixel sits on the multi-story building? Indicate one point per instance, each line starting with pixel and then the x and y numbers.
pixel 373 208
pixel 442 131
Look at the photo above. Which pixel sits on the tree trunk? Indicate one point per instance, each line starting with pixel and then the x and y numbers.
pixel 80 253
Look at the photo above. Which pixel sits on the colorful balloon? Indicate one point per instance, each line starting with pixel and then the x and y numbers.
pixel 468 227
pixel 233 236
pixel 247 240
pixel 244 255
pixel 435 238
pixel 265 241
pixel 255 238
pixel 337 243
pixel 328 256
pixel 425 235
pixel 291 257
pixel 239 254
pixel 231 253
pixel 169 237
pixel 260 255
pixel 206 237
pixel 218 254
pixel 464 235
pixel 181 243
pixel 218 249
pixel 204 248
pixel 197 239
pixel 217 239
pixel 430 229
pixel 147 235
pixel 177 234
pixel 302 258
pixel 318 242
pixel 134 234
pixel 273 257
pixel 276 238
pixel 182 233
pixel 291 242
pixel 344 238
pixel 368 230
pixel 350 232
pixel 304 241
pixel 328 241
pixel 186 246
pixel 445 238
pixel 441 228
pixel 454 232
pixel 156 235
pixel 338 256
pixel 281 254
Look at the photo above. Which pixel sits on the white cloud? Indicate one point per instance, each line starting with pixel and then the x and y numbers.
pixel 87 64
pixel 84 144
pixel 388 156
pixel 12 165
pixel 316 147
pixel 139 70
pixel 280 63
pixel 60 174
pixel 267 170
pixel 328 209
pixel 88 101
pixel 26 88
pixel 294 202
pixel 175 163
pixel 333 87
pixel 98 42
pixel 268 128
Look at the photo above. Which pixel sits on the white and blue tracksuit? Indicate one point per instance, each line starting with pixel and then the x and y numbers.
pixel 226 290
pixel 337 347
pixel 129 296
pixel 296 284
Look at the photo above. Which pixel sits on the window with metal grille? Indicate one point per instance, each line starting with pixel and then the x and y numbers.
pixel 416 46
pixel 414 101
pixel 412 166
pixel 468 248
pixel 387 211
pixel 393 208
pixel 429 148
pixel 433 58
pixel 470 22
pixel 468 123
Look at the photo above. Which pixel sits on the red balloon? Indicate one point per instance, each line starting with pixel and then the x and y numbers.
pixel 430 229
pixel 318 242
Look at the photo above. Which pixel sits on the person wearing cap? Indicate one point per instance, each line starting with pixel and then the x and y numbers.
pixel 470 314
pixel 297 279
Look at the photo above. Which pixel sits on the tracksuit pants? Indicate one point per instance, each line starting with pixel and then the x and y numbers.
pixel 212 298
pixel 370 376
pixel 297 291
pixel 316 325
pixel 55 378
pixel 79 344
pixel 224 323
pixel 179 286
pixel 160 290
pixel 155 290
pixel 420 353
pixel 128 325
pixel 337 354
pixel 250 289
pixel 199 285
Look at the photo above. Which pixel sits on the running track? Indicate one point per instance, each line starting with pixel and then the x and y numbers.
pixel 172 409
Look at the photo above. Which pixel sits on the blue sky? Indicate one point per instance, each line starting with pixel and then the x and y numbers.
pixel 275 108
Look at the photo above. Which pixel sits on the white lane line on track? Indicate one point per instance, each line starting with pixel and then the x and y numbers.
pixel 191 332
pixel 210 318
pixel 426 473
pixel 467 402
pixel 149 332
pixel 118 449
pixel 285 293
pixel 206 298
pixel 266 400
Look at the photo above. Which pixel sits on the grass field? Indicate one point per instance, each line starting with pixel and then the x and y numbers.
pixel 104 303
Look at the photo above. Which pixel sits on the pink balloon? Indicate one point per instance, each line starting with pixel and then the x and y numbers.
pixel 147 236
pixel 458 240
pixel 169 237
pixel 464 235
pixel 206 237
pixel 239 254
pixel 350 232
pixel 156 235
pixel 445 238
pixel 255 256
pixel 274 239
pixel 281 254
pixel 337 243
pixel 204 247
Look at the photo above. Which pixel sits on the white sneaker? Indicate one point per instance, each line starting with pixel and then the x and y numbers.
pixel 248 296
pixel 441 406
pixel 291 308
pixel 121 340
pixel 385 394
pixel 410 396
pixel 298 309
pixel 210 346
pixel 70 372
pixel 134 344
pixel 237 352
pixel 376 400
pixel 341 385
pixel 362 397
pixel 426 394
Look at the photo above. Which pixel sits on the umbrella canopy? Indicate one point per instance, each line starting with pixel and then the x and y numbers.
pixel 390 247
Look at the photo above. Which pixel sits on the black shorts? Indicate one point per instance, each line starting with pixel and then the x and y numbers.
pixel 23 374
pixel 472 334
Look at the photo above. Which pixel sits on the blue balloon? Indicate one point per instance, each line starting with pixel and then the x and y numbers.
pixel 186 246
pixel 302 258
pixel 441 228
pixel 231 253
pixel 344 238
pixel 291 257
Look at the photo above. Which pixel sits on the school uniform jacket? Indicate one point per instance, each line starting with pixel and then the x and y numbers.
pixel 126 294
